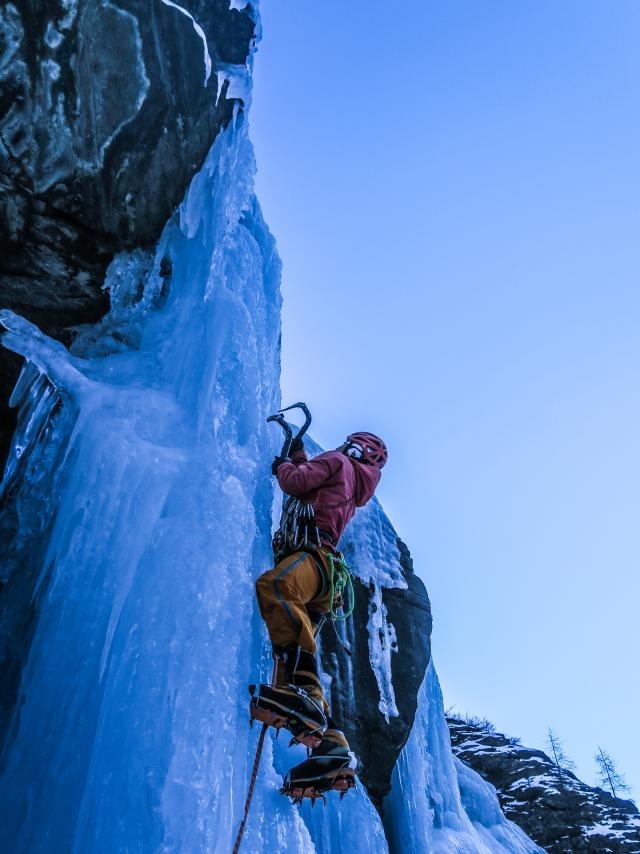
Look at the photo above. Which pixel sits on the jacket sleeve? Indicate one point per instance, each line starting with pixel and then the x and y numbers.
pixel 299 476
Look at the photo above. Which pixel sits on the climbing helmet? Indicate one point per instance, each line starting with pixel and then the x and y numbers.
pixel 366 448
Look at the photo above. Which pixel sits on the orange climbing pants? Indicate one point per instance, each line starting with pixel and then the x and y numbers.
pixel 291 597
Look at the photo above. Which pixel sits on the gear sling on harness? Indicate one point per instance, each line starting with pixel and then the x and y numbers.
pixel 339 582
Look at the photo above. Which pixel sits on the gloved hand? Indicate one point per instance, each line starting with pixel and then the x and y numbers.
pixel 296 445
pixel 277 461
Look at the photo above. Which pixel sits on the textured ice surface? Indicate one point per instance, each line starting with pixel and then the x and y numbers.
pixel 439 806
pixel 382 645
pixel 239 78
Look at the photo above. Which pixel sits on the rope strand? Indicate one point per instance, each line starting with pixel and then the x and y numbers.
pixel 254 770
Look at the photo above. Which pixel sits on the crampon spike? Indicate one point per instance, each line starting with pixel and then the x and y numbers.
pixel 318 796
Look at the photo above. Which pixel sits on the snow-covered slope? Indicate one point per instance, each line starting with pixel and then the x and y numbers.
pixel 140 478
pixel 561 815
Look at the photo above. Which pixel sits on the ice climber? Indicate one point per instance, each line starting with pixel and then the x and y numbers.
pixel 303 587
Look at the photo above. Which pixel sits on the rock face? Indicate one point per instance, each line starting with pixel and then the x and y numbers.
pixel 106 111
pixel 562 817
pixel 376 738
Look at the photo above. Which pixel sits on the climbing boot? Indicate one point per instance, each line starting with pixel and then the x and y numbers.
pixel 289 707
pixel 331 765
pixel 296 701
pixel 301 670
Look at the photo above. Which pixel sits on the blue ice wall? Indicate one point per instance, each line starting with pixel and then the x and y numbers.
pixel 132 733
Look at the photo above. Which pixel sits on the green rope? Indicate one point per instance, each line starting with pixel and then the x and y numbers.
pixel 339 581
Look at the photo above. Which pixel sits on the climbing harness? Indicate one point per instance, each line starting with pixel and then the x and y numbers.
pixel 254 771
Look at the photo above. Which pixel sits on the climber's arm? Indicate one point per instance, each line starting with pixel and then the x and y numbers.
pixel 299 476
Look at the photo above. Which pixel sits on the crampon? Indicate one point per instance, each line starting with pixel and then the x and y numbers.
pixel 316 791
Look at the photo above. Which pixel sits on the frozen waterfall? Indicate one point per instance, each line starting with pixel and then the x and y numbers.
pixel 141 463
pixel 133 732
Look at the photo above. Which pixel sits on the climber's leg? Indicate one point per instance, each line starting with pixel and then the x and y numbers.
pixel 297 698
pixel 283 593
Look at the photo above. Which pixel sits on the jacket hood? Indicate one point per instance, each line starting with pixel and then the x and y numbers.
pixel 367 479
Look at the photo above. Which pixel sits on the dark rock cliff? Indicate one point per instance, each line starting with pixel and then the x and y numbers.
pixel 376 738
pixel 562 818
pixel 106 111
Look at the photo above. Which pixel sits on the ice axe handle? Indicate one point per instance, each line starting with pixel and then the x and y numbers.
pixel 289 438
pixel 288 433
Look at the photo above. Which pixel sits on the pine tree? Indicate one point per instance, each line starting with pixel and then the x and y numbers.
pixel 561 760
pixel 609 775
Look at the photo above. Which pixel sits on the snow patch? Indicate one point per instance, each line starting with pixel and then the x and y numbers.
pixel 603 830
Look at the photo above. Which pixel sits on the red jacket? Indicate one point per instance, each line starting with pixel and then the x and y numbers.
pixel 334 483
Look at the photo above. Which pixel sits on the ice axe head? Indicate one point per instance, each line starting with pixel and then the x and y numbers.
pixel 279 418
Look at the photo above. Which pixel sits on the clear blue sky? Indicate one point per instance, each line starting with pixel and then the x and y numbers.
pixel 455 191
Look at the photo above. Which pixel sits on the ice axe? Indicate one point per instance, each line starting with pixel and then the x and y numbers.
pixel 289 438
